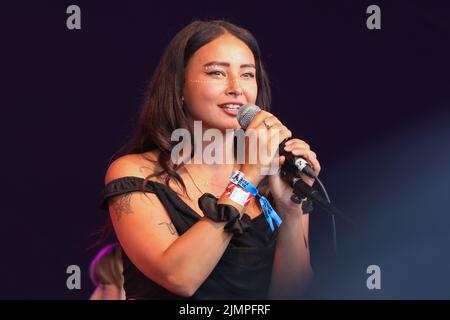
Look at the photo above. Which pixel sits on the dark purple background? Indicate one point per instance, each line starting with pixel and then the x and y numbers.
pixel 374 105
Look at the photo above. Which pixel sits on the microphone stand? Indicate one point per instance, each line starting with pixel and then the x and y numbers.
pixel 289 174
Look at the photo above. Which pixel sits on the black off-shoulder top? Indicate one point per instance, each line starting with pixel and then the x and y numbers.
pixel 243 272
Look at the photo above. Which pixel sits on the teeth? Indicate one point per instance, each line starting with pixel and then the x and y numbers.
pixel 231 106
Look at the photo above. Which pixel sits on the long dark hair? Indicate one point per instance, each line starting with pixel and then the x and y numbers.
pixel 162 111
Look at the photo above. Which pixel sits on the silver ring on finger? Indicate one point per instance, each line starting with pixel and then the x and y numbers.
pixel 268 125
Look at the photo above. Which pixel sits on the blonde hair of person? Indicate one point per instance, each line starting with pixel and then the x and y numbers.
pixel 105 272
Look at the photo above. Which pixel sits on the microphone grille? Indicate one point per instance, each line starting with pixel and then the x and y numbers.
pixel 246 114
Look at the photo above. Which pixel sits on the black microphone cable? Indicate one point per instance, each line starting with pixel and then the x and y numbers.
pixel 333 217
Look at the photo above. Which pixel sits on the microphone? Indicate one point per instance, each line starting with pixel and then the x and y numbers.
pixel 245 116
pixel 291 167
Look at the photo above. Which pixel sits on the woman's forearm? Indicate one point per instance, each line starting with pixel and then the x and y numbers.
pixel 191 258
pixel 291 268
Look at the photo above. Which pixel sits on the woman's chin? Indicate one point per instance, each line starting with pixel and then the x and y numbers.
pixel 222 125
pixel 230 126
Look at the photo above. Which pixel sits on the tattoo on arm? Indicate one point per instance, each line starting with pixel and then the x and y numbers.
pixel 171 227
pixel 121 204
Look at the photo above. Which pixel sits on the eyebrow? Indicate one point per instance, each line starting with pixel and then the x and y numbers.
pixel 226 64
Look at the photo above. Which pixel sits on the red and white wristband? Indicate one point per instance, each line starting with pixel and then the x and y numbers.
pixel 238 194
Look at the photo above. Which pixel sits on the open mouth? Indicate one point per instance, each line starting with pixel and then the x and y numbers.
pixel 230 106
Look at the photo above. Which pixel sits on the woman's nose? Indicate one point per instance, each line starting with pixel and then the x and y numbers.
pixel 234 87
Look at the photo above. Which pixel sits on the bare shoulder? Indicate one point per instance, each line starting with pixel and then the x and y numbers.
pixel 144 203
pixel 138 165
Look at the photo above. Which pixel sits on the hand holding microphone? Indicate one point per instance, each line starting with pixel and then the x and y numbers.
pixel 272 135
pixel 264 133
pixel 295 152
pixel 300 158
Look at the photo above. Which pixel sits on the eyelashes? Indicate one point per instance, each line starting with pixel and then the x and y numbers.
pixel 215 73
pixel 248 75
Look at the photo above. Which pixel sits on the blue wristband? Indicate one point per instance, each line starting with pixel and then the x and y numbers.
pixel 270 214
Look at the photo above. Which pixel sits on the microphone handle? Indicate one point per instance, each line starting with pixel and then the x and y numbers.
pixel 295 161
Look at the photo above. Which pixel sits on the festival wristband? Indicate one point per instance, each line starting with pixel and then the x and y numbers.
pixel 237 194
pixel 270 214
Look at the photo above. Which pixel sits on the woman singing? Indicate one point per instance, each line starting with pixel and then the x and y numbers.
pixel 186 229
